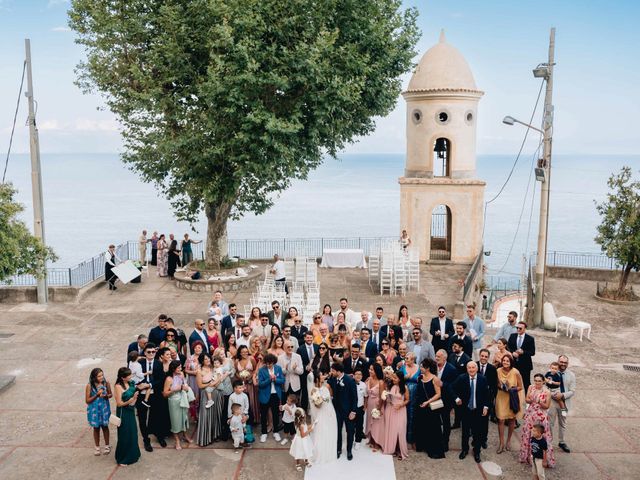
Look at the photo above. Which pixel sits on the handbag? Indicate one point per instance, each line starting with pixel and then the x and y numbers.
pixel 248 434
pixel 436 404
pixel 115 420
pixel 184 400
pixel 190 395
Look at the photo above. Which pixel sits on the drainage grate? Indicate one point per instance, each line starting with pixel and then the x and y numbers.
pixel 6 335
pixel 631 368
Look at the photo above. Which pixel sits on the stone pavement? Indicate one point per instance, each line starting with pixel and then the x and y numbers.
pixel 44 432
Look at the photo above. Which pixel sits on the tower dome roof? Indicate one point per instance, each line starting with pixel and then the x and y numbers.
pixel 442 67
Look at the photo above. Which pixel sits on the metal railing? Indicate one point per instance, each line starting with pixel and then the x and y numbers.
pixel 468 282
pixel 578 260
pixel 250 249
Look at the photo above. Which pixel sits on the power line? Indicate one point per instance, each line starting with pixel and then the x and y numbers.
pixel 15 116
pixel 524 140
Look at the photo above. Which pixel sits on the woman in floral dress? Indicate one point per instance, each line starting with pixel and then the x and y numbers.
pixel 163 257
pixel 539 399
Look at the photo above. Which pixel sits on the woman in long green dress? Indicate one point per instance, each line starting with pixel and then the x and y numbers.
pixel 127 450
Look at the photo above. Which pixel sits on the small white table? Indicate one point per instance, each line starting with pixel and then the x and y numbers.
pixel 343 258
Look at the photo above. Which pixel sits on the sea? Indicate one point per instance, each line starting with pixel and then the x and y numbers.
pixel 91 200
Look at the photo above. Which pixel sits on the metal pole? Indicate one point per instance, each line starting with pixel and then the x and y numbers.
pixel 36 177
pixel 545 189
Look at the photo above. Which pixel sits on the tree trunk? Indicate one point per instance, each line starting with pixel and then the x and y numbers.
pixel 217 215
pixel 624 277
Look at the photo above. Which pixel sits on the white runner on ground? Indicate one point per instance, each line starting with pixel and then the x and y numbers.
pixel 365 464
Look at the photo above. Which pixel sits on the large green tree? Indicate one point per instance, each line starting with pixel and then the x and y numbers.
pixel 21 252
pixel 619 231
pixel 224 102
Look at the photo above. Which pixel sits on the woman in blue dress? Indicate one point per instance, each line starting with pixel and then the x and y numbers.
pixel 411 374
pixel 97 395
pixel 127 449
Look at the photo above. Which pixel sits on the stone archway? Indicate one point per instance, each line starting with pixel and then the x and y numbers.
pixel 440 234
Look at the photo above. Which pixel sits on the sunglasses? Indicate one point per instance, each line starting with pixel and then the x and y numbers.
pixel 322 348
pixel 385 343
pixel 170 335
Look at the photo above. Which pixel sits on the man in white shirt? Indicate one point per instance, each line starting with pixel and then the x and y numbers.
pixel 263 331
pixel 351 317
pixel 364 321
pixel 291 364
pixel 245 339
pixel 361 389
pixel 567 391
pixel 380 316
pixel 286 335
pixel 279 273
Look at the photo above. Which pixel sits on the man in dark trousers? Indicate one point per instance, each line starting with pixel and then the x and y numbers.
pixel 441 330
pixel 488 371
pixel 354 361
pixel 472 396
pixel 148 363
pixel 307 351
pixel 345 402
pixel 447 373
pixel 522 346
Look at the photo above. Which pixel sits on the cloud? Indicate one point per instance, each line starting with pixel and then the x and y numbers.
pixel 55 3
pixel 78 125
pixel 60 29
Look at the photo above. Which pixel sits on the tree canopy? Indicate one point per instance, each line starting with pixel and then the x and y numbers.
pixel 223 103
pixel 619 231
pixel 22 253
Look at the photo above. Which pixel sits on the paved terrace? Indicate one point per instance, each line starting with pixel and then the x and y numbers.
pixel 44 432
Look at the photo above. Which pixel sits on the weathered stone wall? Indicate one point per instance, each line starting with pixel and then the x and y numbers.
pixel 595 274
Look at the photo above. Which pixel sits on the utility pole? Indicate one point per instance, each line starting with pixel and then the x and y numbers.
pixel 36 176
pixel 545 165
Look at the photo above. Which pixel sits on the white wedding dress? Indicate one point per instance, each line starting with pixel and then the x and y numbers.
pixel 325 433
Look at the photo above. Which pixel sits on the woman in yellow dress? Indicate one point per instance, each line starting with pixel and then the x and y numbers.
pixel 510 398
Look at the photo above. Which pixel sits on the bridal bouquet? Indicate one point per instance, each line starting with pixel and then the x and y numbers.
pixel 384 394
pixel 388 370
pixel 375 413
pixel 316 398
pixel 244 375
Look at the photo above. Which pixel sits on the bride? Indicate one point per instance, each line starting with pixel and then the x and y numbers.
pixel 325 433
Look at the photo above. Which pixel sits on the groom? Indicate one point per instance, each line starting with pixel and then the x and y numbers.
pixel 345 402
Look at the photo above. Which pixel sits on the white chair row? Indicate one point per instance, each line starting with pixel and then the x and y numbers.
pixel 570 324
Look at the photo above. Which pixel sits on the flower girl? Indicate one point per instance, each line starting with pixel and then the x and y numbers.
pixel 301 446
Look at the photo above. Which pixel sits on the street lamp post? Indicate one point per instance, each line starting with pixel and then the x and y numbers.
pixel 543 174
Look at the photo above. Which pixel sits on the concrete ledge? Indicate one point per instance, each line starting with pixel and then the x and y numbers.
pixel 228 285
pixel 28 294
pixel 616 302
pixel 597 274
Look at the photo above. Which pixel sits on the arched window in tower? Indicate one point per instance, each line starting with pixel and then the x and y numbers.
pixel 441 157
pixel 440 244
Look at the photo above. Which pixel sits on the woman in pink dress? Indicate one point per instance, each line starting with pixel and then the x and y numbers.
pixel 539 399
pixel 375 426
pixel 213 335
pixel 395 412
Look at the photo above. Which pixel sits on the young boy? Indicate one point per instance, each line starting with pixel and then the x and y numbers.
pixel 236 425
pixel 288 416
pixel 553 382
pixel 138 376
pixel 361 389
pixel 238 396
pixel 538 452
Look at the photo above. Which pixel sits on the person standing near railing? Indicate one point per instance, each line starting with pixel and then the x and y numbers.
pixel 187 252
pixel 154 248
pixel 110 261
pixel 142 247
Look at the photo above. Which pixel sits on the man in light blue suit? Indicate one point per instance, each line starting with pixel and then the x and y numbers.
pixel 475 327
pixel 270 382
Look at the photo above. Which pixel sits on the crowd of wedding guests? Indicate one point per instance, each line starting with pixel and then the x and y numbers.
pixel 415 382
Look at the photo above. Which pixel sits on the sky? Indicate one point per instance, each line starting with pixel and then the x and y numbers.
pixel 596 94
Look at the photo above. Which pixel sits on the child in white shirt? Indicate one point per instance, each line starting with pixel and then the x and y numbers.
pixel 236 425
pixel 137 376
pixel 288 416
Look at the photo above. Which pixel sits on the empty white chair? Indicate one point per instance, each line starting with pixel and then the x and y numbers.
pixel 550 314
pixel 582 327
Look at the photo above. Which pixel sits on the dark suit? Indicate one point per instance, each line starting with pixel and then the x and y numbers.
pixel 304 354
pixel 227 322
pixel 298 331
pixel 460 363
pixel 279 320
pixel 449 375
pixel 491 374
pixel 523 363
pixel 345 402
pixel 134 347
pixel 195 337
pixel 472 418
pixel 141 410
pixel 380 337
pixel 468 344
pixel 436 341
pixel 370 350
pixel 360 365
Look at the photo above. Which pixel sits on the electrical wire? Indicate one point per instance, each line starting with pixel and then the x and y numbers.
pixel 15 116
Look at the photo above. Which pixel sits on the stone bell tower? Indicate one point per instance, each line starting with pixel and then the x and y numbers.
pixel 441 199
